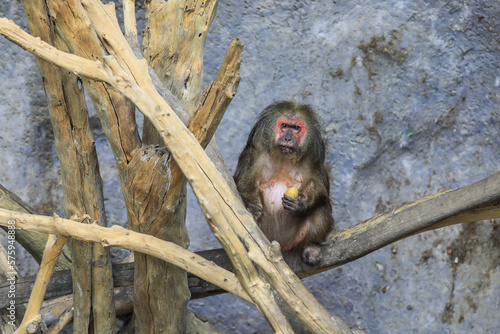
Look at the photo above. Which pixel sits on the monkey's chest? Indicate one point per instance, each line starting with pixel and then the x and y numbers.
pixel 272 193
pixel 276 223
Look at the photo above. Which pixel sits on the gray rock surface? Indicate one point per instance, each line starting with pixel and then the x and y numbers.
pixel 408 92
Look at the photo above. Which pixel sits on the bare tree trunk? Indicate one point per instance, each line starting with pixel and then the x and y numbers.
pixel 82 184
pixel 174 48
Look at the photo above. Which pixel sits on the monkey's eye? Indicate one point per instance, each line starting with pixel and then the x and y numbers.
pixel 295 128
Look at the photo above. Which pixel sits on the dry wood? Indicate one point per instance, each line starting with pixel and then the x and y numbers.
pixel 118 236
pixel 197 324
pixel 123 275
pixel 174 44
pixel 474 202
pixel 54 308
pixel 216 96
pixel 8 268
pixel 33 242
pixel 61 308
pixel 62 320
pixel 204 178
pixel 130 23
pixel 150 272
pixel 159 287
pixel 32 318
pixel 486 207
pixel 79 170
pixel 477 201
pixel 115 112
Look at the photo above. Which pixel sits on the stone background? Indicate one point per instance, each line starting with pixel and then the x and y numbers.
pixel 408 92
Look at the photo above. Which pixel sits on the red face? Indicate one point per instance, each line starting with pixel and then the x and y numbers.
pixel 289 134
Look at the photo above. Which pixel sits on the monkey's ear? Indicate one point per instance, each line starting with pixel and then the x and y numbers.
pixel 256 136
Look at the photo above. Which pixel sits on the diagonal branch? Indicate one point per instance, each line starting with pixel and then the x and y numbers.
pixel 32 320
pixel 216 96
pixel 164 192
pixel 477 201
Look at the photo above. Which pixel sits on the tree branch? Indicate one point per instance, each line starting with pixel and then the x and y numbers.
pixel 33 242
pixel 129 23
pixel 486 207
pixel 216 96
pixel 474 202
pixel 118 236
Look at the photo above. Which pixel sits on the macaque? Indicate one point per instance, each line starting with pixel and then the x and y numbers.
pixel 285 149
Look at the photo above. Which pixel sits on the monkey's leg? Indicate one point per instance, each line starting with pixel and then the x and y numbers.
pixel 311 253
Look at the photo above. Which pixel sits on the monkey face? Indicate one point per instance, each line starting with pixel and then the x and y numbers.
pixel 290 132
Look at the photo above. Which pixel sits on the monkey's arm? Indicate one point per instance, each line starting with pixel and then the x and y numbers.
pixel 254 206
pixel 245 180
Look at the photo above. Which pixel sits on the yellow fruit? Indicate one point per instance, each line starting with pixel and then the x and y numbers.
pixel 292 192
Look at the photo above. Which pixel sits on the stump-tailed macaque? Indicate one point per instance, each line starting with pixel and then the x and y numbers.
pixel 285 149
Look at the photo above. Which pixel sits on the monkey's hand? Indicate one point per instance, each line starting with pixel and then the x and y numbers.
pixel 294 205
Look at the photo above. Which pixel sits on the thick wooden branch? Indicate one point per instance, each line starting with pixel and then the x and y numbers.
pixel 130 23
pixel 480 200
pixel 116 113
pixel 79 170
pixel 174 44
pixel 217 95
pixel 228 218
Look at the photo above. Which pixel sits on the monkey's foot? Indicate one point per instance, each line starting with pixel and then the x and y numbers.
pixel 311 254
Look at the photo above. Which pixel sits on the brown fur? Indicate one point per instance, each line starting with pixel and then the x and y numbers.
pixel 275 160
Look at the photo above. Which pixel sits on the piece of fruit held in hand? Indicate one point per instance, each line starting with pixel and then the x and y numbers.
pixel 292 192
